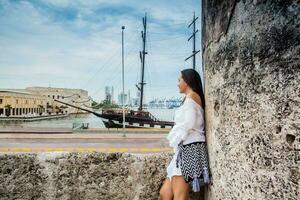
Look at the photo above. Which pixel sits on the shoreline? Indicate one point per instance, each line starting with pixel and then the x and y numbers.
pixel 33 118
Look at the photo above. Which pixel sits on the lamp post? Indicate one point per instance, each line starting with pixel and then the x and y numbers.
pixel 123 94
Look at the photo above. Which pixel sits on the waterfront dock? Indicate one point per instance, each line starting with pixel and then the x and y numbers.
pixel 35 130
pixel 33 118
pixel 38 130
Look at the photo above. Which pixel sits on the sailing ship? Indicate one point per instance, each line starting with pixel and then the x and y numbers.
pixel 141 118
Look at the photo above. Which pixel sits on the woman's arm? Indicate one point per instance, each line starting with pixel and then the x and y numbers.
pixel 180 131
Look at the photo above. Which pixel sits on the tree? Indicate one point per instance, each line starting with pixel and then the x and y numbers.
pixel 41 109
pixel 7 110
pixel 104 104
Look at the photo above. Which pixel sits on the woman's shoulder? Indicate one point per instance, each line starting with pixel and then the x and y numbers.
pixel 196 98
pixel 190 102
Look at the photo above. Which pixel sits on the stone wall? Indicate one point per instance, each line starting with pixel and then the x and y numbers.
pixel 88 176
pixel 252 75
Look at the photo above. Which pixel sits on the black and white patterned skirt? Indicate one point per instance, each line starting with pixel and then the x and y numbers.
pixel 193 161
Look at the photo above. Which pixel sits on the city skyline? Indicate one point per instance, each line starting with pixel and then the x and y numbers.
pixel 78 44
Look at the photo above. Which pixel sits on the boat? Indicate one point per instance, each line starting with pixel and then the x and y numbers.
pixel 140 118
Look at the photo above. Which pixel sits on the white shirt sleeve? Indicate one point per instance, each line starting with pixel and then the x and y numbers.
pixel 180 130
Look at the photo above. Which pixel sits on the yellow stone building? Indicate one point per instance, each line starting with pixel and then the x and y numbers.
pixel 35 101
pixel 20 103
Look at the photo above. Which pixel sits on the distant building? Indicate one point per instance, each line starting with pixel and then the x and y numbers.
pixel 40 101
pixel 109 93
pixel 138 99
pixel 20 103
pixel 134 101
pixel 127 99
pixel 77 97
pixel 165 103
pixel 112 94
pixel 138 96
pixel 123 99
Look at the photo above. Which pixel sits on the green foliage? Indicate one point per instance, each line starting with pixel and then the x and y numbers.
pixel 7 106
pixel 104 104
pixel 7 111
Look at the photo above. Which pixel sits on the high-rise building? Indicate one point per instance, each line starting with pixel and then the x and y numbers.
pixel 112 93
pixel 129 102
pixel 122 98
pixel 109 93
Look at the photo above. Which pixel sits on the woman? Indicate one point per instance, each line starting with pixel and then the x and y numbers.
pixel 188 132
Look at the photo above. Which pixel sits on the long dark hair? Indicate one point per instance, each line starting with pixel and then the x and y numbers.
pixel 192 78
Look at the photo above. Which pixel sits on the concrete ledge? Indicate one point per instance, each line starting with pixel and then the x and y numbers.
pixel 82 149
pixel 83 176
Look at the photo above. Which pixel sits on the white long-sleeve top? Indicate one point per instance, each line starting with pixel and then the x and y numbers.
pixel 189 124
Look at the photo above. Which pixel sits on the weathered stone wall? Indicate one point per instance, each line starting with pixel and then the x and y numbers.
pixel 109 176
pixel 252 76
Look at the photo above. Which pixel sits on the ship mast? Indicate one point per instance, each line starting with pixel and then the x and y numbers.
pixel 142 57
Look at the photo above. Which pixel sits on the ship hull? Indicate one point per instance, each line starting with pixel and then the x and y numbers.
pixel 111 124
pixel 116 121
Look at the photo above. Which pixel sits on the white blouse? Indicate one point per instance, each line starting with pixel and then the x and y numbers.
pixel 189 124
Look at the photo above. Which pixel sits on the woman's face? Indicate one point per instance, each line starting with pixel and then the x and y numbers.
pixel 182 85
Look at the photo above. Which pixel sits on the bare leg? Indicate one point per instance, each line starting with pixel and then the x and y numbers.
pixel 166 190
pixel 180 188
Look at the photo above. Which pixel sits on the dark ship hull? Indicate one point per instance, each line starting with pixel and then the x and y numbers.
pixel 114 124
pixel 133 119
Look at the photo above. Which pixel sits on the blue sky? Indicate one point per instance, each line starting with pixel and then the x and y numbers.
pixel 77 44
